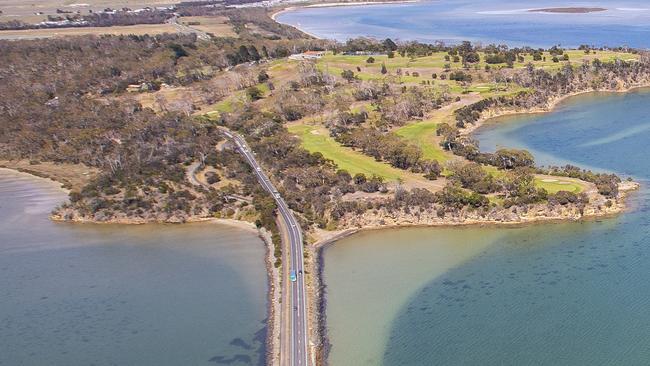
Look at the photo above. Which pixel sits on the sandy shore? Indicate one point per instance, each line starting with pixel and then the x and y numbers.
pixel 334 4
pixel 322 238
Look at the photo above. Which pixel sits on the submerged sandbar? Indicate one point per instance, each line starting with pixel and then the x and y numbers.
pixel 568 10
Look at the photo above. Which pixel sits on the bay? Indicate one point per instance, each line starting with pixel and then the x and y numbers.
pixel 570 293
pixel 84 294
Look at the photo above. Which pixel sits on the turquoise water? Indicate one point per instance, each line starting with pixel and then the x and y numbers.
pixel 73 294
pixel 487 21
pixel 547 294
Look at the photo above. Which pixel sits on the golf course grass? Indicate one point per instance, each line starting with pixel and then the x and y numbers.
pixel 316 139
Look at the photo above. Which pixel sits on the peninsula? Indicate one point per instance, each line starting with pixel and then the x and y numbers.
pixel 335 137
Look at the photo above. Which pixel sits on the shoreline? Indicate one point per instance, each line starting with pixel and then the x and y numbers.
pixel 323 242
pixel 273 276
pixel 551 105
pixel 541 220
pixel 319 247
pixel 281 10
pixel 318 297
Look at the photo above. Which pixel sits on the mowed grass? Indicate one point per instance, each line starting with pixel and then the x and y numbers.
pixel 316 139
pixel 422 134
pixel 561 184
pixel 337 63
pixel 552 184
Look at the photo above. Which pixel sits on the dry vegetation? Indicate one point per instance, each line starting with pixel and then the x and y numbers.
pixel 138 30
pixel 215 25
pixel 373 130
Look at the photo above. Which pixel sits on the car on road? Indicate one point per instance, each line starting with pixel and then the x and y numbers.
pixel 258 169
pixel 292 276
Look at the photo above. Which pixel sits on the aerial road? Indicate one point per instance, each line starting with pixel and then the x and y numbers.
pixel 298 328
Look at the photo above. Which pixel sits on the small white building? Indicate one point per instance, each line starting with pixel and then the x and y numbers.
pixel 307 55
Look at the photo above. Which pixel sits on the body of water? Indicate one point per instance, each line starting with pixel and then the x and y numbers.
pixel 487 21
pixel 550 294
pixel 82 294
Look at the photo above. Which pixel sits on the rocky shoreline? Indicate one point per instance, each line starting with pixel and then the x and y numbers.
pixel 323 239
pixel 380 220
pixel 547 108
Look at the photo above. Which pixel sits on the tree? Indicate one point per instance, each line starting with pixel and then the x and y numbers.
pixel 254 93
pixel 389 44
pixel 254 54
pixel 262 76
pixel 474 177
pixel 179 51
pixel 471 57
pixel 348 75
pixel 243 53
pixel 212 177
pixel 512 158
pixel 359 178
pixel 383 69
pixel 370 60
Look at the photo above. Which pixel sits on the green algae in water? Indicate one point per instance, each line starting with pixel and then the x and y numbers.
pixel 545 294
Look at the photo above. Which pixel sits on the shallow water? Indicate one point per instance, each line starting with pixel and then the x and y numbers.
pixel 487 21
pixel 547 294
pixel 73 294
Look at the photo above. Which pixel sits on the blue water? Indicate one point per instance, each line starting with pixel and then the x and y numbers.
pixel 607 131
pixel 574 293
pixel 145 295
pixel 569 294
pixel 487 21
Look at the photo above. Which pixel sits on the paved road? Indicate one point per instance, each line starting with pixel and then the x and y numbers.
pixel 191 172
pixel 299 338
pixel 182 28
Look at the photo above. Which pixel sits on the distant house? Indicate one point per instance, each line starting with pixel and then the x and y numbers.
pixel 307 55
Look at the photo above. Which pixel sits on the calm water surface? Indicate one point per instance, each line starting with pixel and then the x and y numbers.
pixel 486 21
pixel 548 294
pixel 124 295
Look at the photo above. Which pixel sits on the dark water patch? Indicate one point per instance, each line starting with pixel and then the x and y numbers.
pixel 561 294
pixel 127 295
pixel 221 360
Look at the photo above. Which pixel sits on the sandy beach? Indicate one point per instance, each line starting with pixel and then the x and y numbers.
pixel 332 5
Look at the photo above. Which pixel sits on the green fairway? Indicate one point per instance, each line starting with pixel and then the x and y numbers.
pixel 422 135
pixel 335 64
pixel 561 184
pixel 315 139
pixel 551 184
